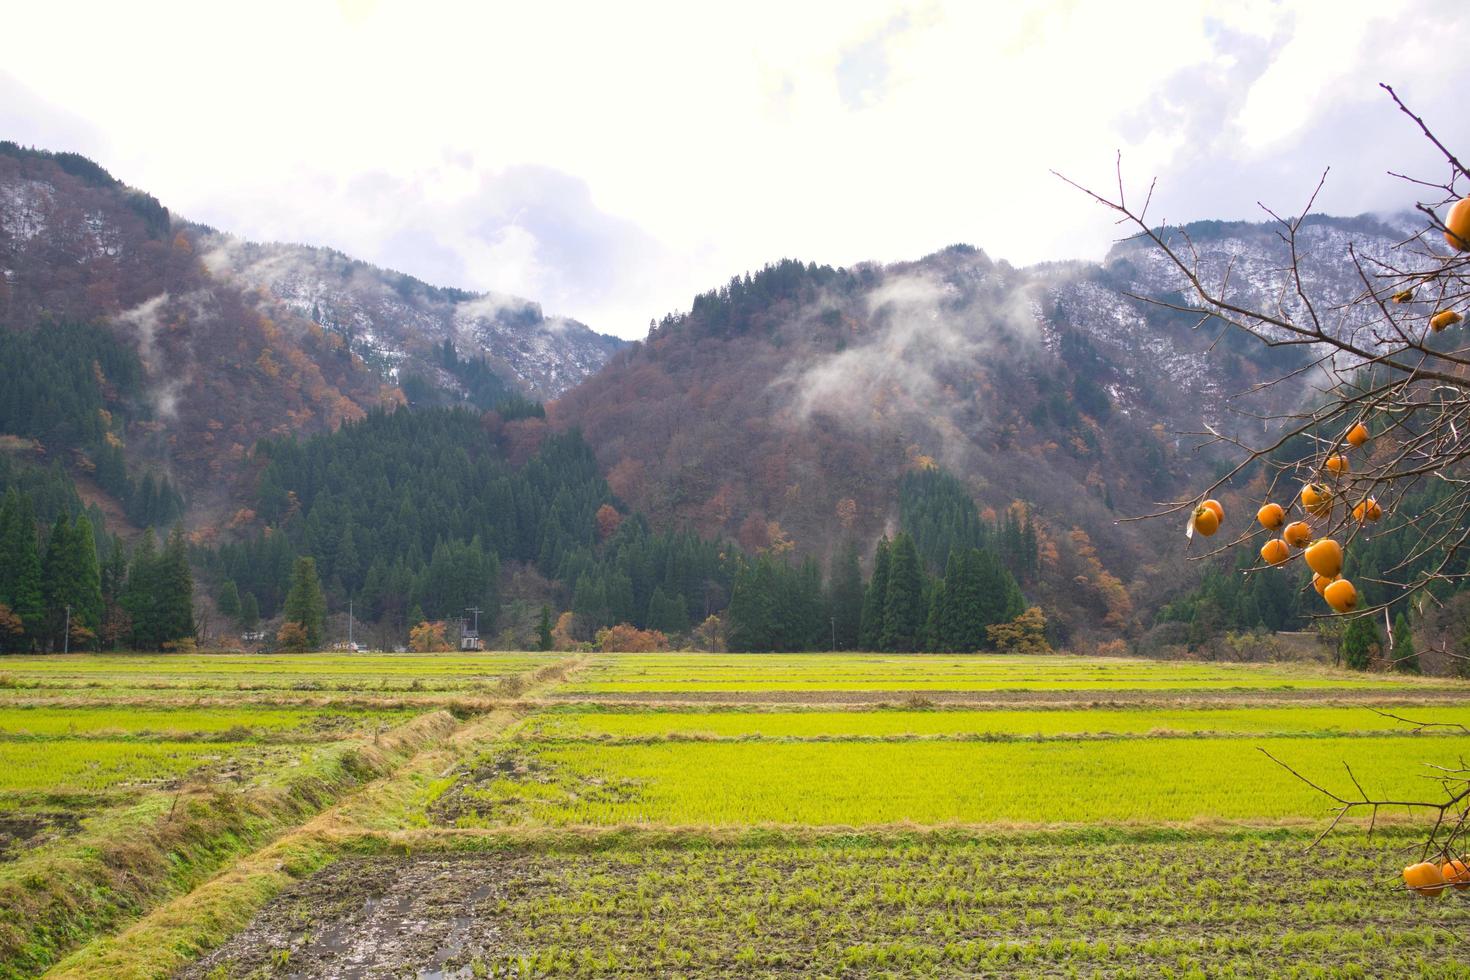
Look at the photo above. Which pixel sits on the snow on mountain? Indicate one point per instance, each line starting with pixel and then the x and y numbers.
pixel 388 317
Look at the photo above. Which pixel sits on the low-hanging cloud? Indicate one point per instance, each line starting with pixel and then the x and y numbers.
pixel 924 331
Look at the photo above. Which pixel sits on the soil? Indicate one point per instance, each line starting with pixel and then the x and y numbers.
pixel 428 918
pixel 23 830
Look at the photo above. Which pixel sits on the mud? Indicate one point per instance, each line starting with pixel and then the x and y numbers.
pixel 427 918
pixel 24 830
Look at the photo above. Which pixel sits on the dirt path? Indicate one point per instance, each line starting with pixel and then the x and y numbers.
pixel 170 936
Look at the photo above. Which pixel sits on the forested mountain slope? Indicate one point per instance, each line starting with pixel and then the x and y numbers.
pixel 784 407
pixel 138 347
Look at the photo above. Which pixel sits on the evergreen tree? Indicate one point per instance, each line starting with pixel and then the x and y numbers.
pixel 229 600
pixel 139 598
pixel 1361 642
pixel 20 567
pixel 754 609
pixel 667 614
pixel 846 598
pixel 1405 657
pixel 903 601
pixel 116 623
pixel 305 605
pixel 249 613
pixel 870 631
pixel 543 629
pixel 71 582
pixel 175 602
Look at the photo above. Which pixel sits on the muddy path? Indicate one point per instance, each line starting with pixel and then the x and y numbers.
pixel 431 918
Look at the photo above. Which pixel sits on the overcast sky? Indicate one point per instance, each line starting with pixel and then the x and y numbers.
pixel 609 160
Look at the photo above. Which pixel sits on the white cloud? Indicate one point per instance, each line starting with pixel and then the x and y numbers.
pixel 609 160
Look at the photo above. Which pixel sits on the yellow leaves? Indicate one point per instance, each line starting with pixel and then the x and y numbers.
pixel 847 511
pixel 267 364
pixel 780 541
pixel 426 637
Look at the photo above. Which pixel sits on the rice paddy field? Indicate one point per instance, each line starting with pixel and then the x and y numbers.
pixel 708 815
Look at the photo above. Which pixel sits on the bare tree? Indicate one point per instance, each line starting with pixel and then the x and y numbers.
pixel 1386 360
pixel 1389 430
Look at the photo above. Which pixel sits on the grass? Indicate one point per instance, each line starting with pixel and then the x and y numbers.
pixel 663 840
pixel 582 725
pixel 864 783
pixel 909 904
pixel 933 672
pixel 143 722
pixel 85 766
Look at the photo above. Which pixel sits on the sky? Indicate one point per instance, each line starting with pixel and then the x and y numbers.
pixel 610 160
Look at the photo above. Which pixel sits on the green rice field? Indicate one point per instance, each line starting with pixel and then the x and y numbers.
pixel 709 815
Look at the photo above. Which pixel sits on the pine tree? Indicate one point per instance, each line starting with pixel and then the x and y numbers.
pixel 903 602
pixel 139 598
pixel 846 598
pixel 543 629
pixel 305 605
pixel 116 623
pixel 1361 642
pixel 870 631
pixel 753 611
pixel 175 590
pixel 20 568
pixel 229 599
pixel 1405 657
pixel 249 612
pixel 71 582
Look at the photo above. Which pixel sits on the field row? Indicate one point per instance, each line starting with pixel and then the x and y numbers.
pixel 676 673
pixel 568 724
pixel 242 723
pixel 697 783
pixel 1210 907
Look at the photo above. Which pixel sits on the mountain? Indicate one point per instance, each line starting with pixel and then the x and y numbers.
pixel 148 357
pixel 784 407
pixel 390 318
pixel 233 341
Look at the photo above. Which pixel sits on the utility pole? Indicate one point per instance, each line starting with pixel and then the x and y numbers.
pixel 66 633
pixel 834 634
pixel 475 610
pixel 350 645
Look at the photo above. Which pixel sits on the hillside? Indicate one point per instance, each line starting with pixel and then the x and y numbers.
pixel 395 321
pixel 784 407
pixel 218 367
pixel 221 343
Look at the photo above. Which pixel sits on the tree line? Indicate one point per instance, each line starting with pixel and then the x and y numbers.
pixel 58 592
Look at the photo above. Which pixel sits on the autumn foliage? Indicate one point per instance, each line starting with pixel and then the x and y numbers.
pixel 624 638
pixel 428 637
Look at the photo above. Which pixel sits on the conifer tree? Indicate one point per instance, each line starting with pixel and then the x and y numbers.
pixel 1360 643
pixel 1405 657
pixel 249 612
pixel 175 605
pixel 903 601
pixel 543 629
pixel 229 599
pixel 116 623
pixel 846 598
pixel 71 580
pixel 754 616
pixel 870 635
pixel 305 605
pixel 139 598
pixel 20 568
